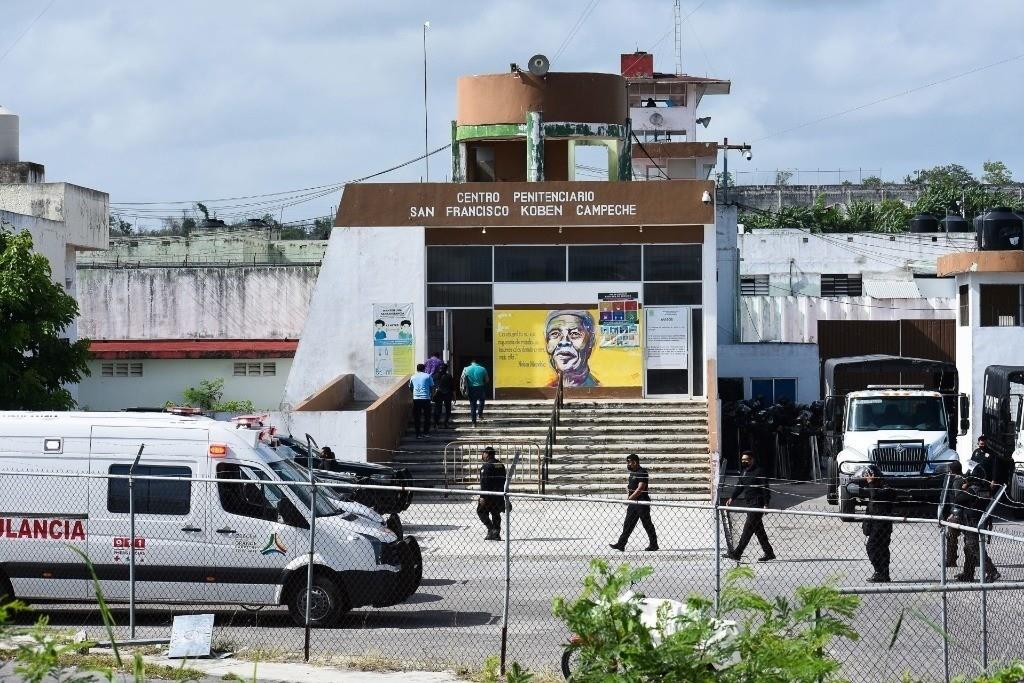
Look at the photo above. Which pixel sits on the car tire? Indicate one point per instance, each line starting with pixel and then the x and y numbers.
pixel 832 492
pixel 411 576
pixel 847 506
pixel 329 602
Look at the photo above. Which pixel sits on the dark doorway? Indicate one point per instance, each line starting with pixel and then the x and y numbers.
pixel 471 338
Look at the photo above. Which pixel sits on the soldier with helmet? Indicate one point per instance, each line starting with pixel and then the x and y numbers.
pixel 871 486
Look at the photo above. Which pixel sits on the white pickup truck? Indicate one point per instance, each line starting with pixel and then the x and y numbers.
pixel 906 427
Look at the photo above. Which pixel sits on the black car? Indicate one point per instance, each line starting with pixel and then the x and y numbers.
pixel 367 473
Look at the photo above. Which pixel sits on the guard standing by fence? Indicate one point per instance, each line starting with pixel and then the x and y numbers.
pixel 488 508
pixel 637 490
pixel 751 491
pixel 871 487
pixel 956 483
pixel 971 503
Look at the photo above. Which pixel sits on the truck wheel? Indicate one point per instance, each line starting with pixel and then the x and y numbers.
pixel 328 604
pixel 833 483
pixel 847 506
pixel 412 570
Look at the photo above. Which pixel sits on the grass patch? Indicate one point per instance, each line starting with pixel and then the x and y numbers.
pixel 98 662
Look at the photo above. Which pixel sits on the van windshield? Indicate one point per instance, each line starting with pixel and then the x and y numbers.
pixel 289 471
pixel 918 413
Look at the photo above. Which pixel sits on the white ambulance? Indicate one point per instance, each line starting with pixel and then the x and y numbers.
pixel 231 540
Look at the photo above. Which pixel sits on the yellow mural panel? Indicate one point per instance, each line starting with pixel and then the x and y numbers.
pixel 530 343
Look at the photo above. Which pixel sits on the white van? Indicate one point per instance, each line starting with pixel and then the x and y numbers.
pixel 228 541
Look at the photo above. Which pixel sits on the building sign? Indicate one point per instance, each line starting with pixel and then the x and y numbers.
pixel 532 345
pixel 619 319
pixel 392 340
pixel 668 343
pixel 675 202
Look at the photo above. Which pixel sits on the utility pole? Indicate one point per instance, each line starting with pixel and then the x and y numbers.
pixel 426 120
pixel 677 15
pixel 725 147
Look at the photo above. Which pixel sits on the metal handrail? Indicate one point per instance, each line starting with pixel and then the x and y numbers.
pixel 462 461
pixel 552 435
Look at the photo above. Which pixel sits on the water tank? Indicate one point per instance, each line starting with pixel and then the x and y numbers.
pixel 924 222
pixel 954 223
pixel 8 135
pixel 999 229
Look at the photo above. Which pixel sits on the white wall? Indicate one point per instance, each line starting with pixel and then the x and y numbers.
pixel 728 265
pixel 48 239
pixel 756 361
pixel 509 293
pixel 363 266
pixel 84 212
pixel 343 430
pixel 262 302
pixel 979 347
pixel 164 380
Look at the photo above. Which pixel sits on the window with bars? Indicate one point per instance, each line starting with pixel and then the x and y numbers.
pixel 1000 306
pixel 254 369
pixel 754 285
pixel 841 284
pixel 121 370
pixel 965 310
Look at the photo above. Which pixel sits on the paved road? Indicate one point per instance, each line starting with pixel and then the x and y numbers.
pixel 455 616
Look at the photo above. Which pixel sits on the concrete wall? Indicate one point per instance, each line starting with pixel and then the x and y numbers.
pixel 164 380
pixel 761 361
pixel 363 266
pixel 47 239
pixel 240 246
pixel 265 302
pixel 794 319
pixel 773 197
pixel 84 212
pixel 979 347
pixel 728 259
pixel 343 430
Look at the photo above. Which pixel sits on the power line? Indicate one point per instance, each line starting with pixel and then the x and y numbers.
pixel 587 11
pixel 919 88
pixel 27 29
pixel 644 150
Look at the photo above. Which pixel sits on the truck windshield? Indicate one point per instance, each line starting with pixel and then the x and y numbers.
pixel 289 471
pixel 918 413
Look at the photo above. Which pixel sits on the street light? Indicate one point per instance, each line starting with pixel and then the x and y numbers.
pixel 426 120
pixel 725 147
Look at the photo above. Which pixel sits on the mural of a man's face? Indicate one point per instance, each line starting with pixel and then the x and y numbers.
pixel 569 343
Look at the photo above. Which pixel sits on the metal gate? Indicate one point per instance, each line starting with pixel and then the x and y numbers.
pixel 462 462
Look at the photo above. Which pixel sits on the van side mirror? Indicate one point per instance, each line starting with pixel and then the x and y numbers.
pixel 965 413
pixel 290 514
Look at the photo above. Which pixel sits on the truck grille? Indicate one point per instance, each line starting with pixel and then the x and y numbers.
pixel 900 458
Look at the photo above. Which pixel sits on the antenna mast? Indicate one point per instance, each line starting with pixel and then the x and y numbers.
pixel 678 16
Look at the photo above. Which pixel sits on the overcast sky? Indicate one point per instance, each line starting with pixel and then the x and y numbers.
pixel 190 100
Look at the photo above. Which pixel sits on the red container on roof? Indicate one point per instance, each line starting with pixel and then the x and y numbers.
pixel 637 65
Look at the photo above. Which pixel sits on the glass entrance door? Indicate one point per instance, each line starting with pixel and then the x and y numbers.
pixel 673 356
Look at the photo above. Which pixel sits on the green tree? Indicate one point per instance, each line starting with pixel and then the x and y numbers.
pixel 871 181
pixel 322 228
pixel 37 361
pixel 207 397
pixel 721 178
pixel 954 174
pixel 782 177
pixel 996 173
pixel 119 226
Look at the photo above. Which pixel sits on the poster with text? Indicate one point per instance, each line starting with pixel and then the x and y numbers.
pixel 619 319
pixel 668 346
pixel 532 345
pixel 392 340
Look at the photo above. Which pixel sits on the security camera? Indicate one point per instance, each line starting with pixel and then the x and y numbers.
pixel 706 197
pixel 747 155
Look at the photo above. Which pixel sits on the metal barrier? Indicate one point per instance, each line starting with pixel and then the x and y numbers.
pixel 462 462
pixel 552 435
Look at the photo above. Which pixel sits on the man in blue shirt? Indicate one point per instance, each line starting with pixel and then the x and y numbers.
pixel 422 386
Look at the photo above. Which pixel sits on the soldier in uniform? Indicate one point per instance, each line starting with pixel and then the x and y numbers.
pixel 871 486
pixel 488 508
pixel 956 482
pixel 751 491
pixel 636 490
pixel 970 504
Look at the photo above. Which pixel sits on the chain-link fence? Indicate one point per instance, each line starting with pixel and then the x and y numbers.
pixel 237 543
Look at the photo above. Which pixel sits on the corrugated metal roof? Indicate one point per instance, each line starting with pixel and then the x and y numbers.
pixel 891 289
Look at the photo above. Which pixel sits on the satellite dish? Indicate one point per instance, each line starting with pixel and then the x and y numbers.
pixel 656 119
pixel 539 65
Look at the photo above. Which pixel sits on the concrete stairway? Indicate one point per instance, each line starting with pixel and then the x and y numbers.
pixel 594 438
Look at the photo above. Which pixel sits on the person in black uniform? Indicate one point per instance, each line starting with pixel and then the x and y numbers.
pixel 969 506
pixel 956 483
pixel 637 490
pixel 488 508
pixel 751 491
pixel 444 392
pixel 871 487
